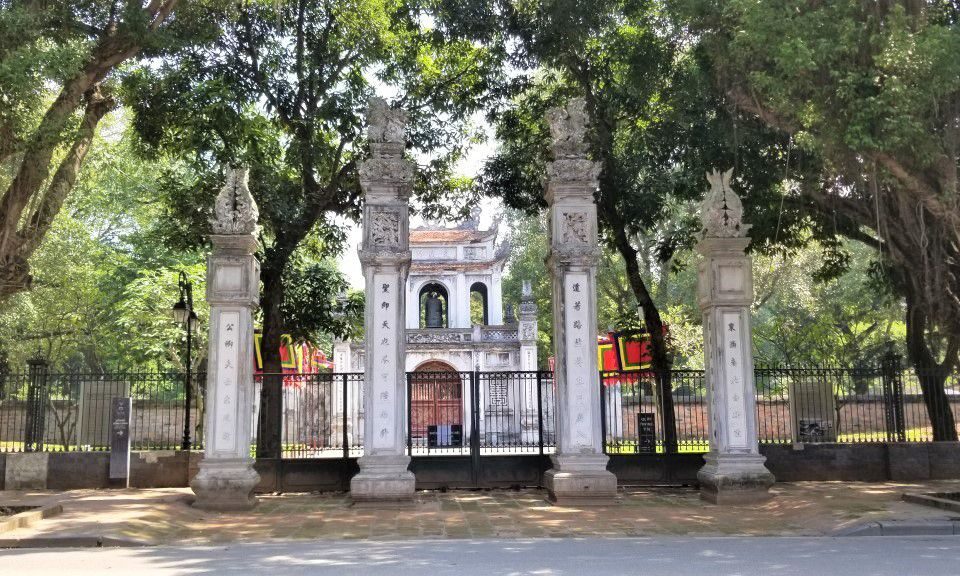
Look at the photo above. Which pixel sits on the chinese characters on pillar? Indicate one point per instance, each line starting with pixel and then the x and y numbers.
pixel 383 354
pixel 728 337
pixel 578 365
pixel 228 359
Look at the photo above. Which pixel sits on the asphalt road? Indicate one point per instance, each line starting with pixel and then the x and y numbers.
pixel 874 556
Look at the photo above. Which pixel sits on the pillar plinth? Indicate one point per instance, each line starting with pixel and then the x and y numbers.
pixel 387 180
pixel 734 471
pixel 579 473
pixel 226 478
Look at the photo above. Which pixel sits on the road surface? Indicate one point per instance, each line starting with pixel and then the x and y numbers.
pixel 874 556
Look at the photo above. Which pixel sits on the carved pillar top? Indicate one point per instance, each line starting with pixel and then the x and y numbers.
pixel 234 211
pixel 386 176
pixel 528 305
pixel 387 180
pixel 571 182
pixel 721 211
pixel 571 173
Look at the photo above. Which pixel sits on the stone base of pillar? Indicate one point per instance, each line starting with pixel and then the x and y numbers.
pixel 734 479
pixel 383 479
pixel 225 484
pixel 580 480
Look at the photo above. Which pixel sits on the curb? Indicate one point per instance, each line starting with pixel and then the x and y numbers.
pixel 903 528
pixel 932 500
pixel 69 542
pixel 30 517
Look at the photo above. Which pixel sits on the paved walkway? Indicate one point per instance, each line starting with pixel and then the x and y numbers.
pixel 164 516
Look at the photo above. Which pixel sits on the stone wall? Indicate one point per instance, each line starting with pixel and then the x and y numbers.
pixel 874 462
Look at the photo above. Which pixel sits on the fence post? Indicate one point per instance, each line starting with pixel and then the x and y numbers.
pixel 475 424
pixel 892 371
pixel 896 367
pixel 540 411
pixel 603 416
pixel 343 419
pixel 409 414
pixel 37 393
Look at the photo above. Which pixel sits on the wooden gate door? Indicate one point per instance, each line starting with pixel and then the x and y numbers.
pixel 436 398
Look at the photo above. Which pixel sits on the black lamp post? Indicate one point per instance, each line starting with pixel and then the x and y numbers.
pixel 184 314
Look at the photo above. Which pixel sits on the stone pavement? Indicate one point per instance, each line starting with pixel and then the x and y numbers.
pixel 164 516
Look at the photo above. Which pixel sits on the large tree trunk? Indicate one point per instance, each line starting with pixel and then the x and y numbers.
pixel 931 374
pixel 607 208
pixel 270 421
pixel 662 361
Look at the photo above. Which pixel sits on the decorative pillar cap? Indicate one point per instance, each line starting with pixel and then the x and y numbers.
pixel 386 167
pixel 570 172
pixel 235 211
pixel 721 210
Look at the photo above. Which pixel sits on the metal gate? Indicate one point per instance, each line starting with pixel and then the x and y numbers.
pixel 505 439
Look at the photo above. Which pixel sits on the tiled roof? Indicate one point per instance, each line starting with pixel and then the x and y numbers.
pixel 451 236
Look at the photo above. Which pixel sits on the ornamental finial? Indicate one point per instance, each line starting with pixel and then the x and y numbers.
pixel 385 124
pixel 235 211
pixel 721 210
pixel 568 129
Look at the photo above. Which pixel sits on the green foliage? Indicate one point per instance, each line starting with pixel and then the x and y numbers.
pixel 103 287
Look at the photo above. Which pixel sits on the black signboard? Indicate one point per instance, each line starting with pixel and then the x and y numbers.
pixel 120 440
pixel 646 433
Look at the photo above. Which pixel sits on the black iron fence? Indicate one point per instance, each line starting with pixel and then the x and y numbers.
pixel 884 403
pixel 634 413
pixel 42 411
pixel 481 412
pixel 322 413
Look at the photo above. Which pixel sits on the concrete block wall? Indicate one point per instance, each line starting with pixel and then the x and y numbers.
pixel 875 462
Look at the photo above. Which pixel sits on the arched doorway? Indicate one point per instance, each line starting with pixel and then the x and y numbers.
pixel 479 313
pixel 436 405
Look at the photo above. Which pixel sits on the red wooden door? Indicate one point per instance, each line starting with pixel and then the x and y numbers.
pixel 436 398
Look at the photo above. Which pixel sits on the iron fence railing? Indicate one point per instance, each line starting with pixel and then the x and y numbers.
pixel 41 411
pixel 497 412
pixel 322 414
pixel 634 417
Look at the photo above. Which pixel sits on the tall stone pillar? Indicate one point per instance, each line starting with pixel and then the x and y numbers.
pixel 734 472
pixel 579 474
pixel 226 478
pixel 532 392
pixel 387 180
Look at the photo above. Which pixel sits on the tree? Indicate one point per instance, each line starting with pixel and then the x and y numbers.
pixel 657 128
pixel 56 64
pixel 103 283
pixel 284 90
pixel 869 92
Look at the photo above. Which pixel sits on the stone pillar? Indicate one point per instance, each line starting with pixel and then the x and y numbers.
pixel 579 474
pixel 226 479
pixel 527 334
pixel 734 472
pixel 387 180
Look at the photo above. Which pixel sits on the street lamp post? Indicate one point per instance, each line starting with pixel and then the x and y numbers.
pixel 185 315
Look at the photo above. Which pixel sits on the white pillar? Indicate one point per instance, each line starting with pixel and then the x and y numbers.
pixel 734 472
pixel 226 478
pixel 579 473
pixel 387 180
pixel 527 334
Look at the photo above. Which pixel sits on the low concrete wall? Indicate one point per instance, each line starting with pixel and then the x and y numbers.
pixel 852 462
pixel 789 463
pixel 874 462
